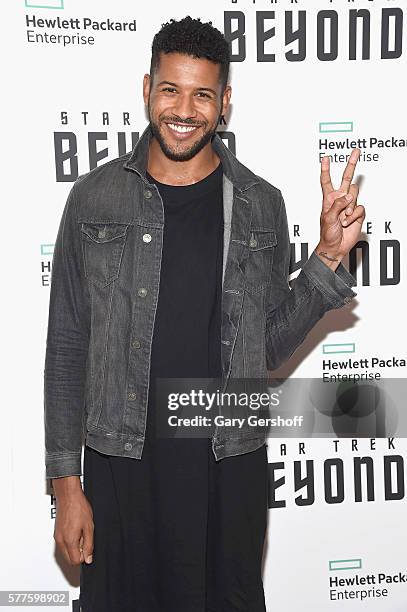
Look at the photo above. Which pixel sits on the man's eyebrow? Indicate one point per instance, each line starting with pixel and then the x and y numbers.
pixel 198 88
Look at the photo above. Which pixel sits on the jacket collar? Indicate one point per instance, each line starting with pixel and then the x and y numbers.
pixel 241 177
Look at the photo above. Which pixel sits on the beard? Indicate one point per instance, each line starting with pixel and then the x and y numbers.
pixel 185 154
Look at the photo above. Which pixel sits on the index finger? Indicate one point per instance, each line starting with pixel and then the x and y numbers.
pixel 72 547
pixel 349 171
pixel 326 182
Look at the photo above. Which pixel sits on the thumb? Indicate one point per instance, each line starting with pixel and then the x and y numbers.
pixel 81 548
pixel 88 543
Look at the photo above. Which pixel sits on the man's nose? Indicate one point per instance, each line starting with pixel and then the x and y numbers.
pixel 184 107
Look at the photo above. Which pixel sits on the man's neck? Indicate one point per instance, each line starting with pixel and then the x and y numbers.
pixel 172 172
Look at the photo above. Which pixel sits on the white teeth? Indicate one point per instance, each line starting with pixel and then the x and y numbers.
pixel 181 128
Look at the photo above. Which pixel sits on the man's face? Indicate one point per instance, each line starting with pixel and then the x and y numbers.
pixel 185 102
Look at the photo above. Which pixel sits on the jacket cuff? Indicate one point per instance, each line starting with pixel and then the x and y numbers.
pixel 335 285
pixel 63 465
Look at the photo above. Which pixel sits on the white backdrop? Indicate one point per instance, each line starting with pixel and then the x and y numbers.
pixel 283 114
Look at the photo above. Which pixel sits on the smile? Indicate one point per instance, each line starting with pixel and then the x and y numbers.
pixel 181 130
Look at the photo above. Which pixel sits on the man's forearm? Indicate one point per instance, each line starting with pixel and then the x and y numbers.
pixel 67 347
pixel 316 290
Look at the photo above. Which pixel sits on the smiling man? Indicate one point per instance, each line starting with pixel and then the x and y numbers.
pixel 172 261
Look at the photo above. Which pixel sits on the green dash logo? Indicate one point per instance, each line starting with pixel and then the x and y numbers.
pixel 327 127
pixel 47 249
pixel 344 347
pixel 345 564
pixel 50 4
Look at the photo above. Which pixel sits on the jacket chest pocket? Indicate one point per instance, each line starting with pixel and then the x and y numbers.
pixel 258 258
pixel 103 245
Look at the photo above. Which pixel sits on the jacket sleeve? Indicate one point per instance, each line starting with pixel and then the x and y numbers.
pixel 292 312
pixel 66 349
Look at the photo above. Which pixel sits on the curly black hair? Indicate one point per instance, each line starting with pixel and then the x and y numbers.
pixel 195 38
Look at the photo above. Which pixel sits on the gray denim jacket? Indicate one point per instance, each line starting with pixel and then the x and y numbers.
pixel 103 300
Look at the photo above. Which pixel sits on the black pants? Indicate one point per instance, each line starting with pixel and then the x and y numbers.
pixel 175 531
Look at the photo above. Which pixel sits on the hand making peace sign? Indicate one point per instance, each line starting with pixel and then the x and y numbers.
pixel 341 217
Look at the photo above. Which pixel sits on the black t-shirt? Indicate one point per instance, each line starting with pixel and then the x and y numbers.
pixel 186 340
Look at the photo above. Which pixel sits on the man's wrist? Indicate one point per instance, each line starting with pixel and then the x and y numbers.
pixel 328 256
pixel 66 486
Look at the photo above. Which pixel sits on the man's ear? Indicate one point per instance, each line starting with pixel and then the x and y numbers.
pixel 226 99
pixel 146 87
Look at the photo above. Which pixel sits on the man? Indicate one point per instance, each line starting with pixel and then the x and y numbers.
pixel 172 261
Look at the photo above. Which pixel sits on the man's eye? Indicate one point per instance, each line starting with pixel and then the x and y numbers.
pixel 203 94
pixel 168 89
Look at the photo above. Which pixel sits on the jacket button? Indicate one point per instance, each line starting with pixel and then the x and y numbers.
pixel 132 396
pixel 147 194
pixel 142 292
pixel 128 446
pixel 146 237
pixel 253 242
pixel 136 344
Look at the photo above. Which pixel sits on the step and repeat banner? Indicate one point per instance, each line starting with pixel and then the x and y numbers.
pixel 309 78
